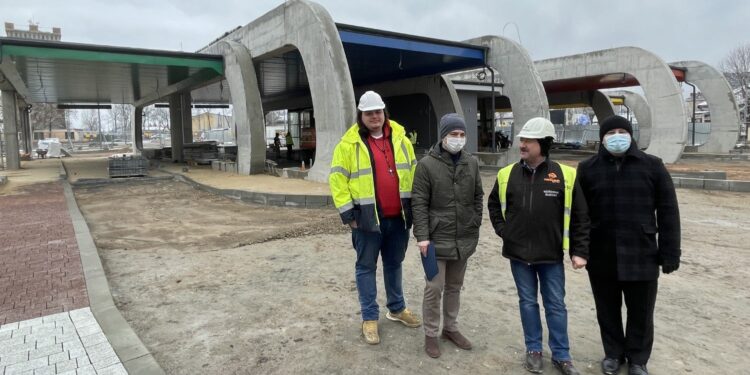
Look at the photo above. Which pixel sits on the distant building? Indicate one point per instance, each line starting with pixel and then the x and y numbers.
pixel 33 33
pixel 213 127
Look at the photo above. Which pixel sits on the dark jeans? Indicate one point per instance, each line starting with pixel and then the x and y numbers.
pixel 550 278
pixel 289 152
pixel 390 243
pixel 636 341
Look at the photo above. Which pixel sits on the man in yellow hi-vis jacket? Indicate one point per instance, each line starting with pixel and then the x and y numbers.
pixel 539 211
pixel 371 179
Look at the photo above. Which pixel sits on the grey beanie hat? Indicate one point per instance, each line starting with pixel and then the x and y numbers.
pixel 451 122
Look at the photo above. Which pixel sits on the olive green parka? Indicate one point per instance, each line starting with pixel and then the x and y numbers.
pixel 447 204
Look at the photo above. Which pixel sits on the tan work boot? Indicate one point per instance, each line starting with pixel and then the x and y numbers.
pixel 370 332
pixel 406 317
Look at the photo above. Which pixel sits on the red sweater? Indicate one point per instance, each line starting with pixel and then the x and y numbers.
pixel 386 178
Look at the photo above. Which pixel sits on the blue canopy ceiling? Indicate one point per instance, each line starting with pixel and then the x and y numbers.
pixel 373 56
pixel 378 56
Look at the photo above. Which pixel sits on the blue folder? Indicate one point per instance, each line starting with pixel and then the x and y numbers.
pixel 429 262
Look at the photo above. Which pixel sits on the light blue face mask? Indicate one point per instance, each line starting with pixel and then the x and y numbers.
pixel 617 143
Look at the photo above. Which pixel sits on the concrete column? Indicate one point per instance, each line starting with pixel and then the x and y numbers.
pixel 136 129
pixel 640 109
pixel 469 105
pixel 29 130
pixel 601 105
pixel 725 114
pixel 24 127
pixel 187 117
pixel 247 109
pixel 175 127
pixel 10 130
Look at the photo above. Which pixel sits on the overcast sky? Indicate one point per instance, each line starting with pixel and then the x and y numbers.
pixel 702 30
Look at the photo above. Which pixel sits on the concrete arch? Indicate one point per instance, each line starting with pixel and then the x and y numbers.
pixel 725 115
pixel 638 105
pixel 247 108
pixel 669 131
pixel 309 28
pixel 598 101
pixel 601 105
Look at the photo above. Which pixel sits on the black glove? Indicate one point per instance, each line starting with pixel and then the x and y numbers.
pixel 670 267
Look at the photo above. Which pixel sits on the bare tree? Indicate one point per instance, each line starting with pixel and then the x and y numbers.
pixel 46 116
pixel 119 116
pixel 89 120
pixel 736 67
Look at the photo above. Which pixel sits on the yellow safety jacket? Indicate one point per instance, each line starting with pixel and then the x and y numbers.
pixel 569 177
pixel 352 180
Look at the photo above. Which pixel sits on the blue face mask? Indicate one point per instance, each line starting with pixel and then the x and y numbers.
pixel 617 143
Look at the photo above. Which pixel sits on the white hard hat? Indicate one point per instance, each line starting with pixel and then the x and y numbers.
pixel 370 101
pixel 537 128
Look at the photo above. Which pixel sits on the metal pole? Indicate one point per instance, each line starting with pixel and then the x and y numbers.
pixel 99 116
pixel 693 116
pixel 492 121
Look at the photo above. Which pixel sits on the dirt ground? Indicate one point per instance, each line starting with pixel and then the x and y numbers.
pixel 34 172
pixel 213 285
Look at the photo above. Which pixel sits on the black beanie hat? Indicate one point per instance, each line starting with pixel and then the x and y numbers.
pixel 451 122
pixel 614 122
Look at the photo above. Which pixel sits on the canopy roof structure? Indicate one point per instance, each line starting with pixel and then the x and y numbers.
pixel 61 72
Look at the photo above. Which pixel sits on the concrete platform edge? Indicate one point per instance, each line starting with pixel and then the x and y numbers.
pixel 269 199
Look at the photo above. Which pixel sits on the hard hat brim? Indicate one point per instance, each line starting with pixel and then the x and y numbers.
pixel 371 108
pixel 521 135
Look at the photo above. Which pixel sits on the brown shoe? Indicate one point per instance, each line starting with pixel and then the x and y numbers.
pixel 457 338
pixel 431 346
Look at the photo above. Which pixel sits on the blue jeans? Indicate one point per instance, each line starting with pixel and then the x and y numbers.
pixel 551 278
pixel 390 243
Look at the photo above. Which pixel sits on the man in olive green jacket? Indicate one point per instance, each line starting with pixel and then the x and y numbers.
pixel 446 206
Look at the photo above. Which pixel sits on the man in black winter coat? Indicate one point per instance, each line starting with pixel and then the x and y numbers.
pixel 635 228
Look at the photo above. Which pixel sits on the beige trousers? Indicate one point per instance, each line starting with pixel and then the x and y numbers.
pixel 446 285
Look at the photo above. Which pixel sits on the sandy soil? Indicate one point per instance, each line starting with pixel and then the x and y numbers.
pixel 736 170
pixel 213 285
pixel 32 172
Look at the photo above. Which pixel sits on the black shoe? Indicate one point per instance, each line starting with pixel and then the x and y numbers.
pixel 611 366
pixel 533 362
pixel 637 369
pixel 565 367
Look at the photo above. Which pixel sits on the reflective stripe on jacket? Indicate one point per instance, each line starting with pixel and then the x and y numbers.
pixel 352 177
pixel 539 212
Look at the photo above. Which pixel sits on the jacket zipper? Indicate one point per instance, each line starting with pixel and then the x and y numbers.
pixel 455 168
pixel 531 199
